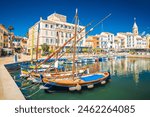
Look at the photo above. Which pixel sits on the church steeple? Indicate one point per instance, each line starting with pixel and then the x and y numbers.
pixel 135 28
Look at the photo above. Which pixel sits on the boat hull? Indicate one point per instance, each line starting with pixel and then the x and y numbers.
pixel 77 86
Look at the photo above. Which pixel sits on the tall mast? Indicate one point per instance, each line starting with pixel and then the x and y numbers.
pixel 32 45
pixel 74 44
pixel 57 46
pixel 37 41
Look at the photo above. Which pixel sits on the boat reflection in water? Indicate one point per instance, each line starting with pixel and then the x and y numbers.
pixel 130 80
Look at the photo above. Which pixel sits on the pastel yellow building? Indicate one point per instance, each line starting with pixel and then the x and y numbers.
pixel 3 38
pixel 92 41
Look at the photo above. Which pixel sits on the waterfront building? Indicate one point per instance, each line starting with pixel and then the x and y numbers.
pixel 132 40
pixel 54 31
pixel 122 41
pixel 148 41
pixel 3 38
pixel 105 41
pixel 20 43
pixel 92 41
pixel 24 44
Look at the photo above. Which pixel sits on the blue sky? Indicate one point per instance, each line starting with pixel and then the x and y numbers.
pixel 22 14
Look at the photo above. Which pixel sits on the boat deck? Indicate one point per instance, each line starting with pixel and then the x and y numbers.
pixel 92 77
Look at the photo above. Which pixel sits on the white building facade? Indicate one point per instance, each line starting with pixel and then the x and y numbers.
pixel 54 31
pixel 106 41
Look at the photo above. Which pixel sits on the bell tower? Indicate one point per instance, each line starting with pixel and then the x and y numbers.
pixel 135 28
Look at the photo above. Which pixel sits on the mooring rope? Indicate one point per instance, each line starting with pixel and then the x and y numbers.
pixel 22 88
pixel 36 91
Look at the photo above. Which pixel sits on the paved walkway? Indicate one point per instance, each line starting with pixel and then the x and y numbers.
pixel 8 88
pixel 10 59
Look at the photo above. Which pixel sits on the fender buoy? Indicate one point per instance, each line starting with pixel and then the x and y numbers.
pixel 72 88
pixel 90 86
pixel 43 87
pixel 103 82
pixel 78 87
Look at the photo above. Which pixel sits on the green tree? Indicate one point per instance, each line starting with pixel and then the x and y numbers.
pixel 97 50
pixel 85 50
pixel 68 50
pixel 45 48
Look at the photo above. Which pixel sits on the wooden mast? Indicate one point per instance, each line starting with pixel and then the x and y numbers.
pixel 74 44
pixel 56 69
pixel 37 41
pixel 32 45
pixel 59 49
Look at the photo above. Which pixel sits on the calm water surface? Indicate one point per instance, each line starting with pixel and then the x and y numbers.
pixel 130 81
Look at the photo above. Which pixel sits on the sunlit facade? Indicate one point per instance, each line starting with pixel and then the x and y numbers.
pixel 54 31
pixel 3 38
pixel 121 41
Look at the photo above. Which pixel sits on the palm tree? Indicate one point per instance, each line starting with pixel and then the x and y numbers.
pixel 10 28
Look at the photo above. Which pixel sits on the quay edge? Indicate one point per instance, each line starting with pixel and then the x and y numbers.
pixel 8 88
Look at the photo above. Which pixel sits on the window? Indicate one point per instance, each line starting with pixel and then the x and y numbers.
pixel 51 26
pixel 46 25
pixel 70 35
pixel 57 25
pixel 51 40
pixel 47 40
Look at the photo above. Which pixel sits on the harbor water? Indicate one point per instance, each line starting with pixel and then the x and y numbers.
pixel 130 80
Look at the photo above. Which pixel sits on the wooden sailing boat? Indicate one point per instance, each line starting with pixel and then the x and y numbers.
pixel 74 80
